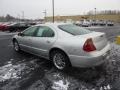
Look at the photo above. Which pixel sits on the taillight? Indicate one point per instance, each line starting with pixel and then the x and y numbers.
pixel 89 46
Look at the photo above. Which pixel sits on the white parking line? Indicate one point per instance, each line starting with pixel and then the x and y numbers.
pixel 10 45
pixel 4 38
pixel 6 33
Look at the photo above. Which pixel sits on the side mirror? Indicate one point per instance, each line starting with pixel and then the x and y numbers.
pixel 20 34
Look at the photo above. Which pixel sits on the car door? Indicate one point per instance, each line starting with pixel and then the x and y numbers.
pixel 25 39
pixel 43 40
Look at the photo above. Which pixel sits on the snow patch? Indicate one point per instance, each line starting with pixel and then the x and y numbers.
pixel 60 85
pixel 105 87
pixel 10 71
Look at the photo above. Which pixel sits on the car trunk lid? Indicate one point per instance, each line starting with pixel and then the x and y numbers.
pixel 98 38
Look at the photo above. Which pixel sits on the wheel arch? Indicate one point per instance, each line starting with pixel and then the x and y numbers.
pixel 58 49
pixel 69 64
pixel 14 39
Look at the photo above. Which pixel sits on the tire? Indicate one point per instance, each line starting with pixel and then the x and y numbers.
pixel 16 46
pixel 60 60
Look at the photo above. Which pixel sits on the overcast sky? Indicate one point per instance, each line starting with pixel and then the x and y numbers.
pixel 35 8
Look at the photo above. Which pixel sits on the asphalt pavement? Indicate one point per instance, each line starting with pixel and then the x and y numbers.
pixel 23 71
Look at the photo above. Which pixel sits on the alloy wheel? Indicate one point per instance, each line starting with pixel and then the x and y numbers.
pixel 59 61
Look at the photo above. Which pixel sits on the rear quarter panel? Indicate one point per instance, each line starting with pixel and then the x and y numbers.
pixel 71 45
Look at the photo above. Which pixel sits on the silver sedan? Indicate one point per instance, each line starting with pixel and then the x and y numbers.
pixel 65 44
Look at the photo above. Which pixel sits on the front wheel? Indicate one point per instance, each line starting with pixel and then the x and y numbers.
pixel 16 46
pixel 60 60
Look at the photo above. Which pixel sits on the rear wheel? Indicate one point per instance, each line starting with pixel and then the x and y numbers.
pixel 16 46
pixel 60 60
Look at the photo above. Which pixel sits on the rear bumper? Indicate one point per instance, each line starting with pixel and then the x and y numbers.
pixel 90 61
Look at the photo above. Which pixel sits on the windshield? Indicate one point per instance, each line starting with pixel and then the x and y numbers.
pixel 73 29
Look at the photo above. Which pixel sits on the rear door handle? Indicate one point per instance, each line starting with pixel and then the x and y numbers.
pixel 29 39
pixel 48 41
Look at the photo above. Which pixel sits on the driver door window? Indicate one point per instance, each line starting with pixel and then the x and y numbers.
pixel 30 31
pixel 43 40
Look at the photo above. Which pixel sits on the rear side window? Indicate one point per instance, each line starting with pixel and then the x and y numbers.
pixel 44 31
pixel 73 29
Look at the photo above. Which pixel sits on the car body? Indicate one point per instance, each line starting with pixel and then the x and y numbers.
pixel 86 23
pixel 20 26
pixel 102 22
pixel 94 22
pixel 77 46
pixel 4 26
pixel 78 23
pixel 110 23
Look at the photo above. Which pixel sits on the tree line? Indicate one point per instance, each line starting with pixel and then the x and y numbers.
pixel 104 12
pixel 8 17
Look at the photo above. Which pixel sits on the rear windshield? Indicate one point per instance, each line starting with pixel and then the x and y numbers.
pixel 73 29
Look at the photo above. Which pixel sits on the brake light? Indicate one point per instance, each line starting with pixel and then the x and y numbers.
pixel 89 46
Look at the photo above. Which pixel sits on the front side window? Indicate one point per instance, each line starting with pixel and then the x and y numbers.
pixel 73 29
pixel 30 31
pixel 44 31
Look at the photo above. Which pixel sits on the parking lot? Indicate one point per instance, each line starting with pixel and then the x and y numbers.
pixel 23 71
